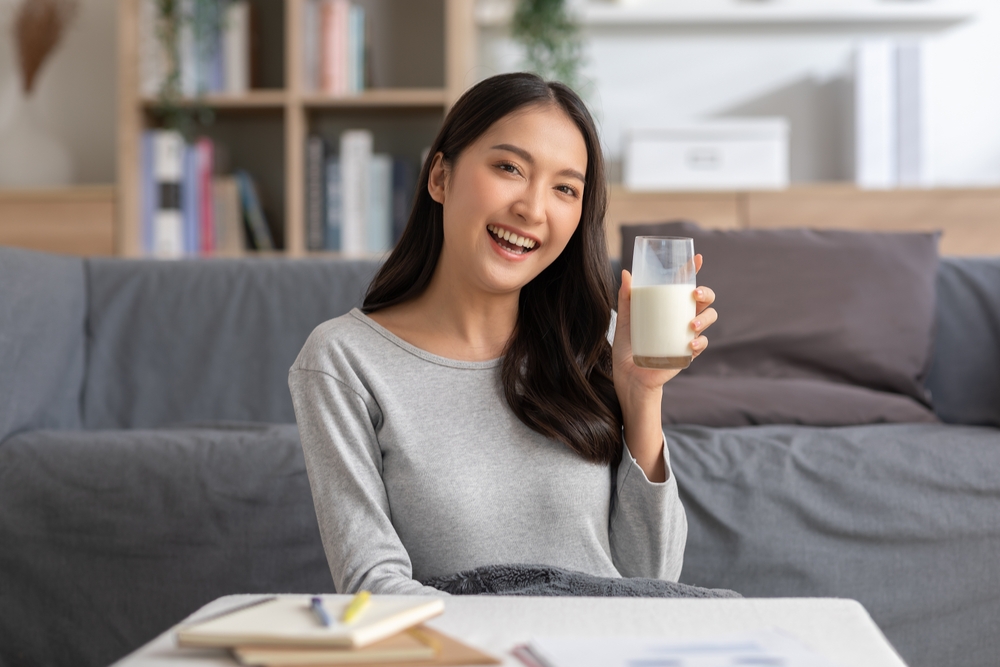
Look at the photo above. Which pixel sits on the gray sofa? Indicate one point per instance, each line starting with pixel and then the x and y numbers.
pixel 149 463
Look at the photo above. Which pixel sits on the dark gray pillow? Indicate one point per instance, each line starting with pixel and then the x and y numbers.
pixel 43 304
pixel 805 316
pixel 964 378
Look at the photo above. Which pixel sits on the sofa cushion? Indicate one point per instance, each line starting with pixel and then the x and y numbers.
pixel 203 340
pixel 107 538
pixel 847 311
pixel 904 518
pixel 42 307
pixel 964 379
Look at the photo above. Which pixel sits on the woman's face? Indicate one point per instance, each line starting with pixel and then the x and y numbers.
pixel 512 199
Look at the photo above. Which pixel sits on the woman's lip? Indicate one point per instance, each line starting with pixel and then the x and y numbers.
pixel 503 252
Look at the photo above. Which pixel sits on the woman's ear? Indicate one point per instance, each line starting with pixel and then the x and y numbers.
pixel 437 179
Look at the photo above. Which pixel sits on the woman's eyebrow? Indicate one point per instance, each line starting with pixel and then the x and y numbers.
pixel 526 156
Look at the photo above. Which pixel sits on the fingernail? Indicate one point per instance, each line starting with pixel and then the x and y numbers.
pixel 696 324
pixel 700 292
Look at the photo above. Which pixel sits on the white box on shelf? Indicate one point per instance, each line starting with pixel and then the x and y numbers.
pixel 728 154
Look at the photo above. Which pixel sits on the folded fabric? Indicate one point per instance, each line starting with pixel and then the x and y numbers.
pixel 545 580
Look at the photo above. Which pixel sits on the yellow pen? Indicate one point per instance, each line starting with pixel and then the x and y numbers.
pixel 356 607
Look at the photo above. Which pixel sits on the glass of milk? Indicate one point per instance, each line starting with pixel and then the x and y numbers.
pixel 663 304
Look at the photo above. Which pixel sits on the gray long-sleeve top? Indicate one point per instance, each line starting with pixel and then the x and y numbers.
pixel 419 468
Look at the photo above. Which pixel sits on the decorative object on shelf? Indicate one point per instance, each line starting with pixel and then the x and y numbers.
pixel 551 38
pixel 191 47
pixel 30 156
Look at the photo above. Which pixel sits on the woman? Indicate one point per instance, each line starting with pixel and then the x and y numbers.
pixel 474 411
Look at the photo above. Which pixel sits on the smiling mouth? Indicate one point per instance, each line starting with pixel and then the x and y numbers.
pixel 510 242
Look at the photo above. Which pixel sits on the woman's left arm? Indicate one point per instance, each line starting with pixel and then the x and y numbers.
pixel 640 390
pixel 648 529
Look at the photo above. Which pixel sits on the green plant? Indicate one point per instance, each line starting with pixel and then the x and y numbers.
pixel 203 18
pixel 554 48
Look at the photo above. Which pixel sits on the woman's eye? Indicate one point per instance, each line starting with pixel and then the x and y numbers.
pixel 508 167
pixel 567 190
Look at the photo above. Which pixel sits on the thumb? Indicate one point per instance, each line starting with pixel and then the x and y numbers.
pixel 624 302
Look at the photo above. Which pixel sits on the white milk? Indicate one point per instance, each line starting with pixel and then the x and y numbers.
pixel 661 325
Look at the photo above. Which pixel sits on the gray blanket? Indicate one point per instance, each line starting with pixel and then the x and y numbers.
pixel 546 580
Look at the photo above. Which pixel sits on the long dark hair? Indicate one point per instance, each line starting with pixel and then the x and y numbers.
pixel 556 369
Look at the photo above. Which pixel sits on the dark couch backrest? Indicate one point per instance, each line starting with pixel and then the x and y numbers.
pixel 111 343
pixel 42 308
pixel 964 378
pixel 195 341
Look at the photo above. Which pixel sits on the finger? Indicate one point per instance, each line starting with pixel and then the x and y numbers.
pixel 698 261
pixel 698 346
pixel 625 291
pixel 704 295
pixel 704 320
pixel 624 304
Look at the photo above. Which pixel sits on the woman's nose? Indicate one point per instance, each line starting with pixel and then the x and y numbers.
pixel 530 206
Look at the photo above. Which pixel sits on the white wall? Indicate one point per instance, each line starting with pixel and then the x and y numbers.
pixel 640 76
pixel 76 86
pixel 645 75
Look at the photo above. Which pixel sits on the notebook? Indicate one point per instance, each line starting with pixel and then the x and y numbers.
pixel 417 647
pixel 289 621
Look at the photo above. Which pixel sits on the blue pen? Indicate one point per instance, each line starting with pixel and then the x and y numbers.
pixel 317 608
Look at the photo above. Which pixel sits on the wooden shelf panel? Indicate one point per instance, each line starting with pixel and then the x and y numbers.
pixel 381 97
pixel 77 220
pixel 254 99
pixel 969 218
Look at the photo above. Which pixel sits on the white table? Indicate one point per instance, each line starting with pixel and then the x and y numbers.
pixel 839 629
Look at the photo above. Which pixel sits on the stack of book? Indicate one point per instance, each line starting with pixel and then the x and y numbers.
pixel 335 47
pixel 298 630
pixel 187 210
pixel 211 47
pixel 357 201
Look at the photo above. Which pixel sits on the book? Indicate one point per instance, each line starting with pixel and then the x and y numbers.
pixel 190 198
pixel 187 48
pixel 355 179
pixel 417 647
pixel 290 621
pixel 150 192
pixel 153 57
pixel 356 49
pixel 910 121
pixel 379 221
pixel 403 182
pixel 315 193
pixel 334 203
pixel 253 213
pixel 335 18
pixel 236 47
pixel 875 114
pixel 206 210
pixel 311 28
pixel 230 232
pixel 168 172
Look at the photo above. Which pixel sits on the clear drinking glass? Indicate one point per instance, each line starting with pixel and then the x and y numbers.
pixel 663 304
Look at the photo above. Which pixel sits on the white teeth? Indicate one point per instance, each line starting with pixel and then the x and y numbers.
pixel 511 238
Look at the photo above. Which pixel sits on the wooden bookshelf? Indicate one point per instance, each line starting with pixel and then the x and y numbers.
pixel 426 57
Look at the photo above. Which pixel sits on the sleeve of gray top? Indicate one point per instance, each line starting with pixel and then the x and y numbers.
pixel 648 528
pixel 344 464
